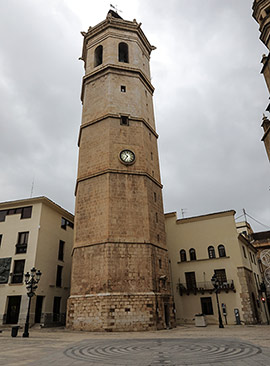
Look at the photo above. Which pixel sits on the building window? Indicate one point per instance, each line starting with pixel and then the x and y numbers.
pixel 158 237
pixel 207 307
pixel 25 212
pixel 65 223
pixel 244 251
pixel 1 236
pixel 221 275
pixel 3 214
pixel 59 276
pixel 21 245
pixel 190 280
pixel 123 52
pixel 151 156
pixel 183 255
pixel 156 217
pixel 61 250
pixel 160 263
pixel 250 255
pixel 98 56
pixel 17 276
pixel 155 197
pixel 124 121
pixel 192 254
pixel 267 11
pixel 221 251
pixel 211 252
pixel 123 88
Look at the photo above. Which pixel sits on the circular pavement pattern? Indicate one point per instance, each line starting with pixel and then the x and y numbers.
pixel 150 352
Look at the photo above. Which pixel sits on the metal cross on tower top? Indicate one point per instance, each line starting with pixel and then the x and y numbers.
pixel 115 8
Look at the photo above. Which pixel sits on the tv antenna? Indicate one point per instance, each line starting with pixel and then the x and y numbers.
pixel 115 8
pixel 183 211
pixel 32 187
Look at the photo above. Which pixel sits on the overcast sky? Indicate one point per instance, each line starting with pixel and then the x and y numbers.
pixel 209 99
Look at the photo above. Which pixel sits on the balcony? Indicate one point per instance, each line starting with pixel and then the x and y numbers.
pixel 17 278
pixel 21 248
pixel 204 287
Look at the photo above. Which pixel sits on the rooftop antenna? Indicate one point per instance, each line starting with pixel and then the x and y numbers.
pixel 183 211
pixel 32 187
pixel 245 215
pixel 115 8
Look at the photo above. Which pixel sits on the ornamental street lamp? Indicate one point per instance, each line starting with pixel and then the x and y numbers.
pixel 31 281
pixel 216 285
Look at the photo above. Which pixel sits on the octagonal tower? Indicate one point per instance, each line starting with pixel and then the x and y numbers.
pixel 120 272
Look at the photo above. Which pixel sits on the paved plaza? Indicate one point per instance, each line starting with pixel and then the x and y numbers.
pixel 186 345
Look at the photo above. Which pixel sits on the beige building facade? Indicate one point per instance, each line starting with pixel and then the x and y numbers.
pixel 120 273
pixel 202 246
pixel 38 233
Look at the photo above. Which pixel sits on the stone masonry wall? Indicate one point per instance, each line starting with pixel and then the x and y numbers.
pixel 247 288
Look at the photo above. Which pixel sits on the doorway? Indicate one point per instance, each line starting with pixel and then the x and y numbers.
pixel 38 311
pixel 167 315
pixel 255 310
pixel 56 308
pixel 13 309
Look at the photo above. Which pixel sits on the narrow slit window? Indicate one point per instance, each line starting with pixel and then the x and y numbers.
pixel 124 121
pixel 123 88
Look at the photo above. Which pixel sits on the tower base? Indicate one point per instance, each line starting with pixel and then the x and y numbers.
pixel 120 312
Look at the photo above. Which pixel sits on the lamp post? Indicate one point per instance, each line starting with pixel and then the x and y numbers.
pixel 216 285
pixel 31 281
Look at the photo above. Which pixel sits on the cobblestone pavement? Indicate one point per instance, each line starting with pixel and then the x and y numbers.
pixel 237 346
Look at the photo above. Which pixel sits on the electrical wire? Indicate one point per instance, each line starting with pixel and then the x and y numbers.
pixel 239 217
pixel 258 222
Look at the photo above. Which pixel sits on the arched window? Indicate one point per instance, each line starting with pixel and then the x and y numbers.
pixel 183 255
pixel 192 254
pixel 98 56
pixel 211 252
pixel 221 251
pixel 123 52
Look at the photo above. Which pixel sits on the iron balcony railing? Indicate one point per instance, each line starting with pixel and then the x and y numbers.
pixel 202 287
pixel 17 278
pixel 21 248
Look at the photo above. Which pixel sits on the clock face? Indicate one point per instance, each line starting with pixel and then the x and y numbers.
pixel 127 156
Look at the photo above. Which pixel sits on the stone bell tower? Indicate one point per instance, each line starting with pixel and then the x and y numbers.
pixel 120 272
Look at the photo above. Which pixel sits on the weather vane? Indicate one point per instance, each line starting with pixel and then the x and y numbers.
pixel 115 8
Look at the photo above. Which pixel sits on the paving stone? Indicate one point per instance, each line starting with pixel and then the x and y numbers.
pixel 181 347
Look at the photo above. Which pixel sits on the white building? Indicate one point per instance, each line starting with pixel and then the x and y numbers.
pixel 38 233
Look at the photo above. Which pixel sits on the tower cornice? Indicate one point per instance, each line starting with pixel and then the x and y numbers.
pixel 117 23
pixel 116 171
pixel 116 69
pixel 256 7
pixel 116 116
